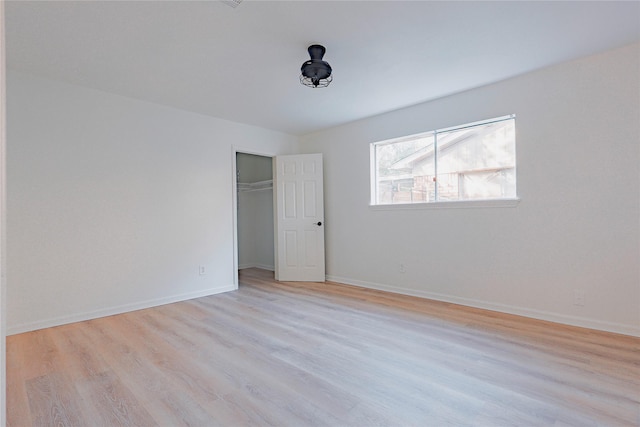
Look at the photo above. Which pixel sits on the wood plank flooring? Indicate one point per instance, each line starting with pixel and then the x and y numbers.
pixel 309 354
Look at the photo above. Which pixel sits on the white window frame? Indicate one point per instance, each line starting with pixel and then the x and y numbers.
pixel 438 204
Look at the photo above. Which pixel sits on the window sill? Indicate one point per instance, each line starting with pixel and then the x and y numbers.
pixel 460 204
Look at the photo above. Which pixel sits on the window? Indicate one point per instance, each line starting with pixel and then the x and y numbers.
pixel 476 161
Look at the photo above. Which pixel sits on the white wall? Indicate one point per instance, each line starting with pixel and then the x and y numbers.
pixel 255 229
pixel 252 168
pixel 3 311
pixel 576 227
pixel 113 203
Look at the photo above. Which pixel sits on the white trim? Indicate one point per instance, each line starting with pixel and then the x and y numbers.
pixel 457 204
pixel 245 266
pixel 234 213
pixel 125 308
pixel 582 322
pixel 260 266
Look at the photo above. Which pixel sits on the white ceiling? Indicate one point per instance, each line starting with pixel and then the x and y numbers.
pixel 243 64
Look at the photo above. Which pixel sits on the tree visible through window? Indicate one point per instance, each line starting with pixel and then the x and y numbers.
pixel 476 161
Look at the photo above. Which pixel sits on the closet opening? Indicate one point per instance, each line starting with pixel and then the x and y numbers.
pixel 254 215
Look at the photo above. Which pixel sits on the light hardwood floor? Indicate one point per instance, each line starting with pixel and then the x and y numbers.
pixel 306 354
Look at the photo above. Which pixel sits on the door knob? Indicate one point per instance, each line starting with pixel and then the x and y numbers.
pixel 319 224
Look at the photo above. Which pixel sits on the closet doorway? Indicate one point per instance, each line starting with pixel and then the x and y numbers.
pixel 255 226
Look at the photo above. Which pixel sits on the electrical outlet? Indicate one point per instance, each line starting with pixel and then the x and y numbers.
pixel 201 270
pixel 578 297
pixel 402 268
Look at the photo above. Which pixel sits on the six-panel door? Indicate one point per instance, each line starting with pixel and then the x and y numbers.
pixel 299 213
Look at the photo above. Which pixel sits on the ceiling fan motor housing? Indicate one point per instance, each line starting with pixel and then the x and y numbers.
pixel 316 72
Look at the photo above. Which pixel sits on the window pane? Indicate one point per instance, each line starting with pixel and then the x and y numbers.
pixel 405 171
pixel 470 162
pixel 477 162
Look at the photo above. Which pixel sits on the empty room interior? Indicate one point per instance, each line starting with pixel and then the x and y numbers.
pixel 327 213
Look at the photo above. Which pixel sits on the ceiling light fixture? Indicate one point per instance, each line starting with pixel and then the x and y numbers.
pixel 316 72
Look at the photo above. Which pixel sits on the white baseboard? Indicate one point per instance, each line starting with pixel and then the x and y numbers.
pixel 503 308
pixel 63 320
pixel 260 266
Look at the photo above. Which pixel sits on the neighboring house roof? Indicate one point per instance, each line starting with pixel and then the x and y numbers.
pixel 446 141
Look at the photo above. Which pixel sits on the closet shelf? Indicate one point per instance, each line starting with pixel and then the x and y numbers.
pixel 255 186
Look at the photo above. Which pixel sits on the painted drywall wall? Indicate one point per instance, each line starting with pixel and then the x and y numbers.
pixel 3 299
pixel 114 203
pixel 576 227
pixel 255 213
pixel 252 168
pixel 255 229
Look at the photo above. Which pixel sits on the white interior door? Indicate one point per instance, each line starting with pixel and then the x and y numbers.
pixel 299 218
